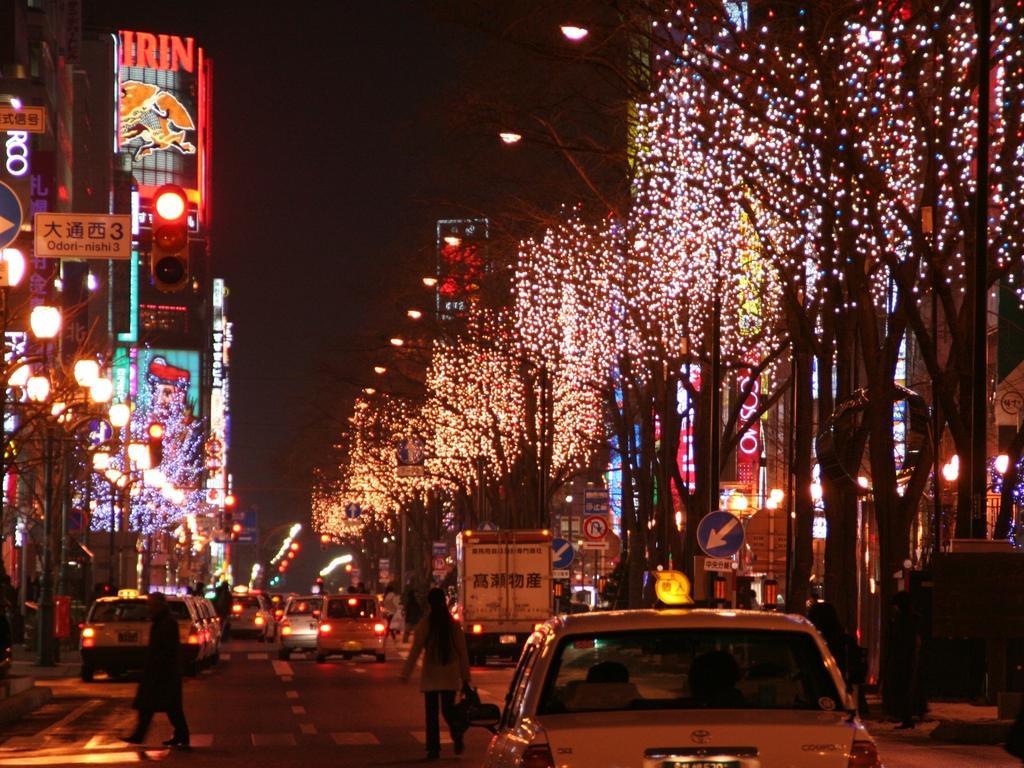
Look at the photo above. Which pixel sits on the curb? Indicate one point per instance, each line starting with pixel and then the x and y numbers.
pixel 20 704
pixel 968 732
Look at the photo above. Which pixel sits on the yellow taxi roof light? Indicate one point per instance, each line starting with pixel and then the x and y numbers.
pixel 128 594
pixel 672 588
pixel 240 589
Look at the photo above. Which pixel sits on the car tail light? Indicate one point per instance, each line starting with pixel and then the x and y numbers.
pixel 864 754
pixel 325 629
pixel 478 629
pixel 259 621
pixel 278 613
pixel 286 629
pixel 88 632
pixel 88 637
pixel 353 601
pixel 236 608
pixel 379 628
pixel 537 756
pixel 193 638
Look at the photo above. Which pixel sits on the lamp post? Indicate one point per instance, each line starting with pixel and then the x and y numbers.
pixel 45 323
pixel 12 271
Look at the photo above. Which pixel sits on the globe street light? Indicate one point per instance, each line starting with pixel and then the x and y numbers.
pixel 86 372
pixel 102 390
pixel 45 322
pixel 38 388
pixel 119 414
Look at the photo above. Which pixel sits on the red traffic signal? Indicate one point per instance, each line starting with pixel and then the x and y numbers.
pixel 230 501
pixel 169 251
pixel 348 567
pixel 236 528
pixel 156 433
pixel 294 546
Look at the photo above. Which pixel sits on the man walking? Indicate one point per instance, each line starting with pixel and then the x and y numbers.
pixel 160 686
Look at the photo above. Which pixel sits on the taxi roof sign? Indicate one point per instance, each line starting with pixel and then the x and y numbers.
pixel 672 588
pixel 127 593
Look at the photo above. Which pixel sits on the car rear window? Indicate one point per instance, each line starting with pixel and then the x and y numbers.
pixel 119 610
pixel 352 608
pixel 179 610
pixel 248 602
pixel 303 607
pixel 688 669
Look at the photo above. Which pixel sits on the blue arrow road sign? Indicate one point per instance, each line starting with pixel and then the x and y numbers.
pixel 562 554
pixel 720 534
pixel 10 215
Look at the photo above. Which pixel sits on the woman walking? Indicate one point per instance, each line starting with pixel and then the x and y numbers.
pixel 445 669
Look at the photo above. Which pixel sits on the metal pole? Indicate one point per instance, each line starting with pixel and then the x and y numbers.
pixel 714 443
pixel 45 623
pixel 62 569
pixel 979 403
pixel 403 533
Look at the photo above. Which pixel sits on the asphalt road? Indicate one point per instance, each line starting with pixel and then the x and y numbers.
pixel 251 710
pixel 254 710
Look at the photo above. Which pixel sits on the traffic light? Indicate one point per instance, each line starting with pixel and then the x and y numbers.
pixel 228 516
pixel 348 567
pixel 236 530
pixel 156 443
pixel 169 250
pixel 325 539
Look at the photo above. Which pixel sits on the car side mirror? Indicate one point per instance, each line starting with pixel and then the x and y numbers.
pixel 485 716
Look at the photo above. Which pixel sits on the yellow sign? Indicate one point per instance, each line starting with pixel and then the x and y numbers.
pixel 27 119
pixel 672 588
pixel 83 236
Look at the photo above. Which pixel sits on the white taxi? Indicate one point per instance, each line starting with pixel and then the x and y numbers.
pixel 676 688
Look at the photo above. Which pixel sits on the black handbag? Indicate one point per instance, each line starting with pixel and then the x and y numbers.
pixel 466 706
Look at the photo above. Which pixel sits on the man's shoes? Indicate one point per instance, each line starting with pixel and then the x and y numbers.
pixel 133 739
pixel 431 756
pixel 179 743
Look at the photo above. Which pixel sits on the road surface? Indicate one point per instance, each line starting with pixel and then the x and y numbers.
pixel 254 710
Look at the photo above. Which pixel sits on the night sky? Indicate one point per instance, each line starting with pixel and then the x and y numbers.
pixel 342 131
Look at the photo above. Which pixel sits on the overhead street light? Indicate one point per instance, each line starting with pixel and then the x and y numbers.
pixel 429 281
pixel 510 137
pixel 574 33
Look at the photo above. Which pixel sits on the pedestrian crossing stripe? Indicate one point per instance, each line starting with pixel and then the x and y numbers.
pixel 421 737
pixel 354 739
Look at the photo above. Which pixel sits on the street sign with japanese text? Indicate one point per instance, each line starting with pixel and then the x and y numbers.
pixel 718 564
pixel 10 215
pixel 83 236
pixel 27 119
pixel 595 501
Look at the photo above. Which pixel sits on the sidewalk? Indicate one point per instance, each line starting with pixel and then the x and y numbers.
pixel 24 663
pixel 947 722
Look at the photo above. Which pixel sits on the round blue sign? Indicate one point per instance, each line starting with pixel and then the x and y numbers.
pixel 10 215
pixel 720 534
pixel 562 554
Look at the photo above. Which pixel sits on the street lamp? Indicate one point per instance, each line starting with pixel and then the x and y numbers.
pixel 380 370
pixel 120 414
pixel 510 137
pixel 397 341
pixel 38 388
pixel 574 33
pixel 86 372
pixel 102 390
pixel 414 314
pixel 429 281
pixel 45 322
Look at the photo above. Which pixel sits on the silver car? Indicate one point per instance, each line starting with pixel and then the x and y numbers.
pixel 299 624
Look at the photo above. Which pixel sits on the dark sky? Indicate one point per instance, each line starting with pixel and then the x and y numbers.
pixel 342 131
pixel 330 152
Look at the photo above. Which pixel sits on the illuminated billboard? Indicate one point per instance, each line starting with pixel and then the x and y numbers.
pixel 162 372
pixel 162 120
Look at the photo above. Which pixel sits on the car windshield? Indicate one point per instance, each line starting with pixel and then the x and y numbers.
pixel 119 610
pixel 352 608
pixel 688 669
pixel 303 607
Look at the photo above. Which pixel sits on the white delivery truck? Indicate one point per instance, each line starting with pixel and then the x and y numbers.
pixel 504 580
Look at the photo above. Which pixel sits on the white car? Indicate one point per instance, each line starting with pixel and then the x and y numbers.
pixel 677 689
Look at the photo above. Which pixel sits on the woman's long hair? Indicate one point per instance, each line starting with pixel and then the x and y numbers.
pixel 439 628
